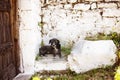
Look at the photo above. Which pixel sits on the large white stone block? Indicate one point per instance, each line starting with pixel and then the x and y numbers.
pixel 87 55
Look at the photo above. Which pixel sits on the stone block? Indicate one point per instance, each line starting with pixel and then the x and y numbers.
pixel 93 6
pixel 109 22
pixel 60 6
pixel 90 16
pixel 107 5
pixel 68 6
pixel 72 1
pixel 50 1
pixel 61 1
pixel 111 12
pixel 88 55
pixel 82 7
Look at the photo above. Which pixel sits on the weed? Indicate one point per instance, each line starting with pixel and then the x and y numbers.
pixel 66 50
pixel 37 57
pixel 42 43
pixel 101 36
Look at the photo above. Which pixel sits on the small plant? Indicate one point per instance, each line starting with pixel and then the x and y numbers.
pixel 115 37
pixel 35 77
pixel 41 24
pixel 117 74
pixel 37 57
pixel 42 43
pixel 66 50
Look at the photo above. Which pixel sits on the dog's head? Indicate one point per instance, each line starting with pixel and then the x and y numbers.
pixel 54 42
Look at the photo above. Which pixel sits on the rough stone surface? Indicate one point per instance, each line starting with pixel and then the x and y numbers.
pixel 111 12
pixel 87 55
pixel 83 7
pixel 68 6
pixel 51 63
pixel 72 1
pixel 107 5
pixel 75 21
pixel 93 6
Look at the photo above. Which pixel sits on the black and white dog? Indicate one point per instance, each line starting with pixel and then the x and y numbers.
pixel 54 48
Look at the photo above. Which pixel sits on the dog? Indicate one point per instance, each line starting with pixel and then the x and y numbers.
pixel 55 43
pixel 54 48
pixel 46 50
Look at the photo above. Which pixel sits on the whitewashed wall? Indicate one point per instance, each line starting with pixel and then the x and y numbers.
pixel 67 21
pixel 71 21
pixel 29 33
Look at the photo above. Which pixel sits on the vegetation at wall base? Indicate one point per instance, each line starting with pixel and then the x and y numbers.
pixel 106 73
pixel 111 36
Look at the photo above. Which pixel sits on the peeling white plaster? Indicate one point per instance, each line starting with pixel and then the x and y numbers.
pixel 29 33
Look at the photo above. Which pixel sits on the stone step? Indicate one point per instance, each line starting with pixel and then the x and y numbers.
pixel 51 63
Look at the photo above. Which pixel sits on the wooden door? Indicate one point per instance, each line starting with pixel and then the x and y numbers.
pixel 7 56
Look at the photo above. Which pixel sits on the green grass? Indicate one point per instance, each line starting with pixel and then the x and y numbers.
pixel 66 50
pixel 37 58
pixel 111 36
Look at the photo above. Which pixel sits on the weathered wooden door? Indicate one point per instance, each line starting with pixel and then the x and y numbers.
pixel 7 56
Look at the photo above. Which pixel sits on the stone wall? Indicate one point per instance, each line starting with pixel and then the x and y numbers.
pixel 70 20
pixel 67 20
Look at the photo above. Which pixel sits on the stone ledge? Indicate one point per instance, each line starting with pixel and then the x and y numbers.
pixel 51 63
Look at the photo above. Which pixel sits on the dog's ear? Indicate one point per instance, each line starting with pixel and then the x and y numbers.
pixel 50 41
pixel 58 41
